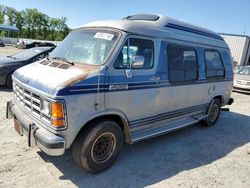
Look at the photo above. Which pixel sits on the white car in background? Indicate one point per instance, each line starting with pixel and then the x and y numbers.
pixel 242 80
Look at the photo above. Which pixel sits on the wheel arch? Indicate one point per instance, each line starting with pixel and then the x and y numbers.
pixel 115 116
pixel 220 98
pixel 10 73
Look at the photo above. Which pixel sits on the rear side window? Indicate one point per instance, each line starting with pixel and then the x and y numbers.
pixel 183 64
pixel 214 66
pixel 136 47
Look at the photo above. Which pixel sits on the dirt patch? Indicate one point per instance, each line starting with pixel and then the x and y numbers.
pixel 8 50
pixel 193 157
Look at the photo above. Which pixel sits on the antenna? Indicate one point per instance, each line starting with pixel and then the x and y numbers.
pixel 98 90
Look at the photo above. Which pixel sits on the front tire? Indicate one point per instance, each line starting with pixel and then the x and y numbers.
pixel 213 113
pixel 9 81
pixel 96 149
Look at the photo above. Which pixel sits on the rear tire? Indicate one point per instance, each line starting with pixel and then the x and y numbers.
pixel 96 149
pixel 9 81
pixel 213 113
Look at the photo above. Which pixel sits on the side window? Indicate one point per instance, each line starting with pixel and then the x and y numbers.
pixel 214 65
pixel 136 47
pixel 182 63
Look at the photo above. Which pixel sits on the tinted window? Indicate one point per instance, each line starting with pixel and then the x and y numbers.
pixel 214 65
pixel 135 47
pixel 183 65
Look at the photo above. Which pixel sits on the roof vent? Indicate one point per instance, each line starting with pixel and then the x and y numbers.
pixel 145 17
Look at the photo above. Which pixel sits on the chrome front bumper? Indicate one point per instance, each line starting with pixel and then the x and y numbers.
pixel 48 142
pixel 241 90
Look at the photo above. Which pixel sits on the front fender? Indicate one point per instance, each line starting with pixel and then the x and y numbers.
pixel 107 113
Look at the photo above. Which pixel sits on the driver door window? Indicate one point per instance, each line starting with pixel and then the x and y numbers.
pixel 135 47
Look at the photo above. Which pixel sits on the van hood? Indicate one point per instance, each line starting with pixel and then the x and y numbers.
pixel 48 79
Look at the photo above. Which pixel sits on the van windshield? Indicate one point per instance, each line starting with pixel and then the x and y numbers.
pixel 87 47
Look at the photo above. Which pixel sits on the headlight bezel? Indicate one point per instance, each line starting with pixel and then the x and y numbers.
pixel 47 103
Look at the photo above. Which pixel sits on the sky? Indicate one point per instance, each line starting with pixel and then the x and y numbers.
pixel 222 16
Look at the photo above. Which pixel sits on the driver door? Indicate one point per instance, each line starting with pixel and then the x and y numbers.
pixel 134 94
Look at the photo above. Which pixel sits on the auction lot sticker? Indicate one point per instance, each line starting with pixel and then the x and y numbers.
pixel 105 36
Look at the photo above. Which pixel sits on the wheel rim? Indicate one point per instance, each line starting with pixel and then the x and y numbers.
pixel 213 112
pixel 103 147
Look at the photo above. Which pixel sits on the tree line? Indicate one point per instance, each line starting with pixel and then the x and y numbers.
pixel 34 24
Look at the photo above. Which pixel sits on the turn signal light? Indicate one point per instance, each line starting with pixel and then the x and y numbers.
pixel 57 110
pixel 57 114
pixel 57 122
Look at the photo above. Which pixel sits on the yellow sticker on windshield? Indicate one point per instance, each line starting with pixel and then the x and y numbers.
pixel 105 36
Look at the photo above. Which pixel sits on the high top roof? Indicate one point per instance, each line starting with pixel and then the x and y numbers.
pixel 163 27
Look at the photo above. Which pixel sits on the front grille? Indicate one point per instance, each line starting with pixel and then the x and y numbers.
pixel 243 82
pixel 30 101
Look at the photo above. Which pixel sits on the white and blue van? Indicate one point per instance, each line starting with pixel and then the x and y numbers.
pixel 119 81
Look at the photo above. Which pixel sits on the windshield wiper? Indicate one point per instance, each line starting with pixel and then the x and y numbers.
pixel 63 59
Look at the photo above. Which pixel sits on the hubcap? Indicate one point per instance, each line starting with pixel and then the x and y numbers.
pixel 213 112
pixel 103 147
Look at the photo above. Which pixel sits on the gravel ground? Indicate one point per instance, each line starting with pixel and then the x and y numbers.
pixel 8 50
pixel 192 157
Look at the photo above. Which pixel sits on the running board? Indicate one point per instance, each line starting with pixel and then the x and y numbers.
pixel 166 128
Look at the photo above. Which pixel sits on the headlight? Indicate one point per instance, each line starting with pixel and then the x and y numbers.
pixel 45 107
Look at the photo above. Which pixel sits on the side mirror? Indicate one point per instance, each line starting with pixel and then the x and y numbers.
pixel 138 62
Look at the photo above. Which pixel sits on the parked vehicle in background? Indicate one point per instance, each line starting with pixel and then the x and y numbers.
pixel 242 80
pixel 26 45
pixel 9 64
pixel 120 81
pixel 1 43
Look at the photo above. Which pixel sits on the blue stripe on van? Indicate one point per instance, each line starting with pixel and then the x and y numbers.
pixel 167 115
pixel 87 89
pixel 174 26
pixel 92 88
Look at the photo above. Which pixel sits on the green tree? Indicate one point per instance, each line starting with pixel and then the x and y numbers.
pixel 45 26
pixel 11 13
pixel 19 22
pixel 64 29
pixel 35 24
pixel 54 24
pixel 1 14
